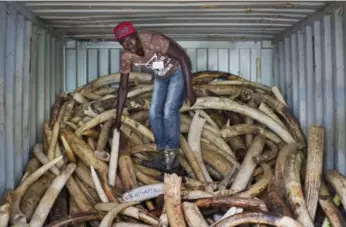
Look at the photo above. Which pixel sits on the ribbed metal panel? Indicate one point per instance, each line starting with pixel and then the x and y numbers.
pixel 85 61
pixel 182 20
pixel 309 67
pixel 30 59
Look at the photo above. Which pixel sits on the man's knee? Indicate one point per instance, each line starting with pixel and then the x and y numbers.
pixel 171 111
pixel 154 111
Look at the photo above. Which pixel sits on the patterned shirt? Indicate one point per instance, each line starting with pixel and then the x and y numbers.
pixel 155 47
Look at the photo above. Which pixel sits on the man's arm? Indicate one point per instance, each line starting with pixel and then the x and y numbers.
pixel 176 52
pixel 125 67
pixel 121 99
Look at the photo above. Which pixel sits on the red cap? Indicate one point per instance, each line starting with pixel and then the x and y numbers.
pixel 123 29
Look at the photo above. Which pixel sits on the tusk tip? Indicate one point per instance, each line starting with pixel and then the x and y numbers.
pixel 19 218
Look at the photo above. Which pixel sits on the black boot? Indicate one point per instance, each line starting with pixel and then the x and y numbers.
pixel 171 161
pixel 156 162
pixel 166 161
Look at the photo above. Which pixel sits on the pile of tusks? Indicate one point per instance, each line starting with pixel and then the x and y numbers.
pixel 246 162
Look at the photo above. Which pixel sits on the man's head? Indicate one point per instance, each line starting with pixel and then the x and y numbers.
pixel 127 36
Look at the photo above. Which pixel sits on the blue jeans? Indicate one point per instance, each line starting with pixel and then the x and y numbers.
pixel 164 114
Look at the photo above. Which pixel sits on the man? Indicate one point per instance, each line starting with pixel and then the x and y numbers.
pixel 172 83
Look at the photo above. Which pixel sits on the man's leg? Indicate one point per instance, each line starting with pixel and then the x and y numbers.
pixel 156 123
pixel 174 101
pixel 156 112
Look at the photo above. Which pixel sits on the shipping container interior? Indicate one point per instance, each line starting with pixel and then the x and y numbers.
pixel 50 47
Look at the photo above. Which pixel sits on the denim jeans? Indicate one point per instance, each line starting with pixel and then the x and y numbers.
pixel 164 114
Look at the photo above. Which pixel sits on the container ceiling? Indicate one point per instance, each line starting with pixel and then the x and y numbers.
pixel 180 19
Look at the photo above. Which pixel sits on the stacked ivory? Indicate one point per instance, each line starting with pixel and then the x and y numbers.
pixel 245 159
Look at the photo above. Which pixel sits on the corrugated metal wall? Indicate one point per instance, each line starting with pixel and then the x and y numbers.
pixel 181 20
pixel 31 69
pixel 309 67
pixel 85 61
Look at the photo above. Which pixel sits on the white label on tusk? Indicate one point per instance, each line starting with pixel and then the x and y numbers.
pixel 144 193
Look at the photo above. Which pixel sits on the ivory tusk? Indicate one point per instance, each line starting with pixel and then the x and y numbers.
pixel 16 214
pixel 47 201
pixel 113 162
pixel 5 210
pixel 98 185
pixel 194 140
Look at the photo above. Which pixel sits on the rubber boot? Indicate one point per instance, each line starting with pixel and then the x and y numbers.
pixel 165 161
pixel 171 162
pixel 157 162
